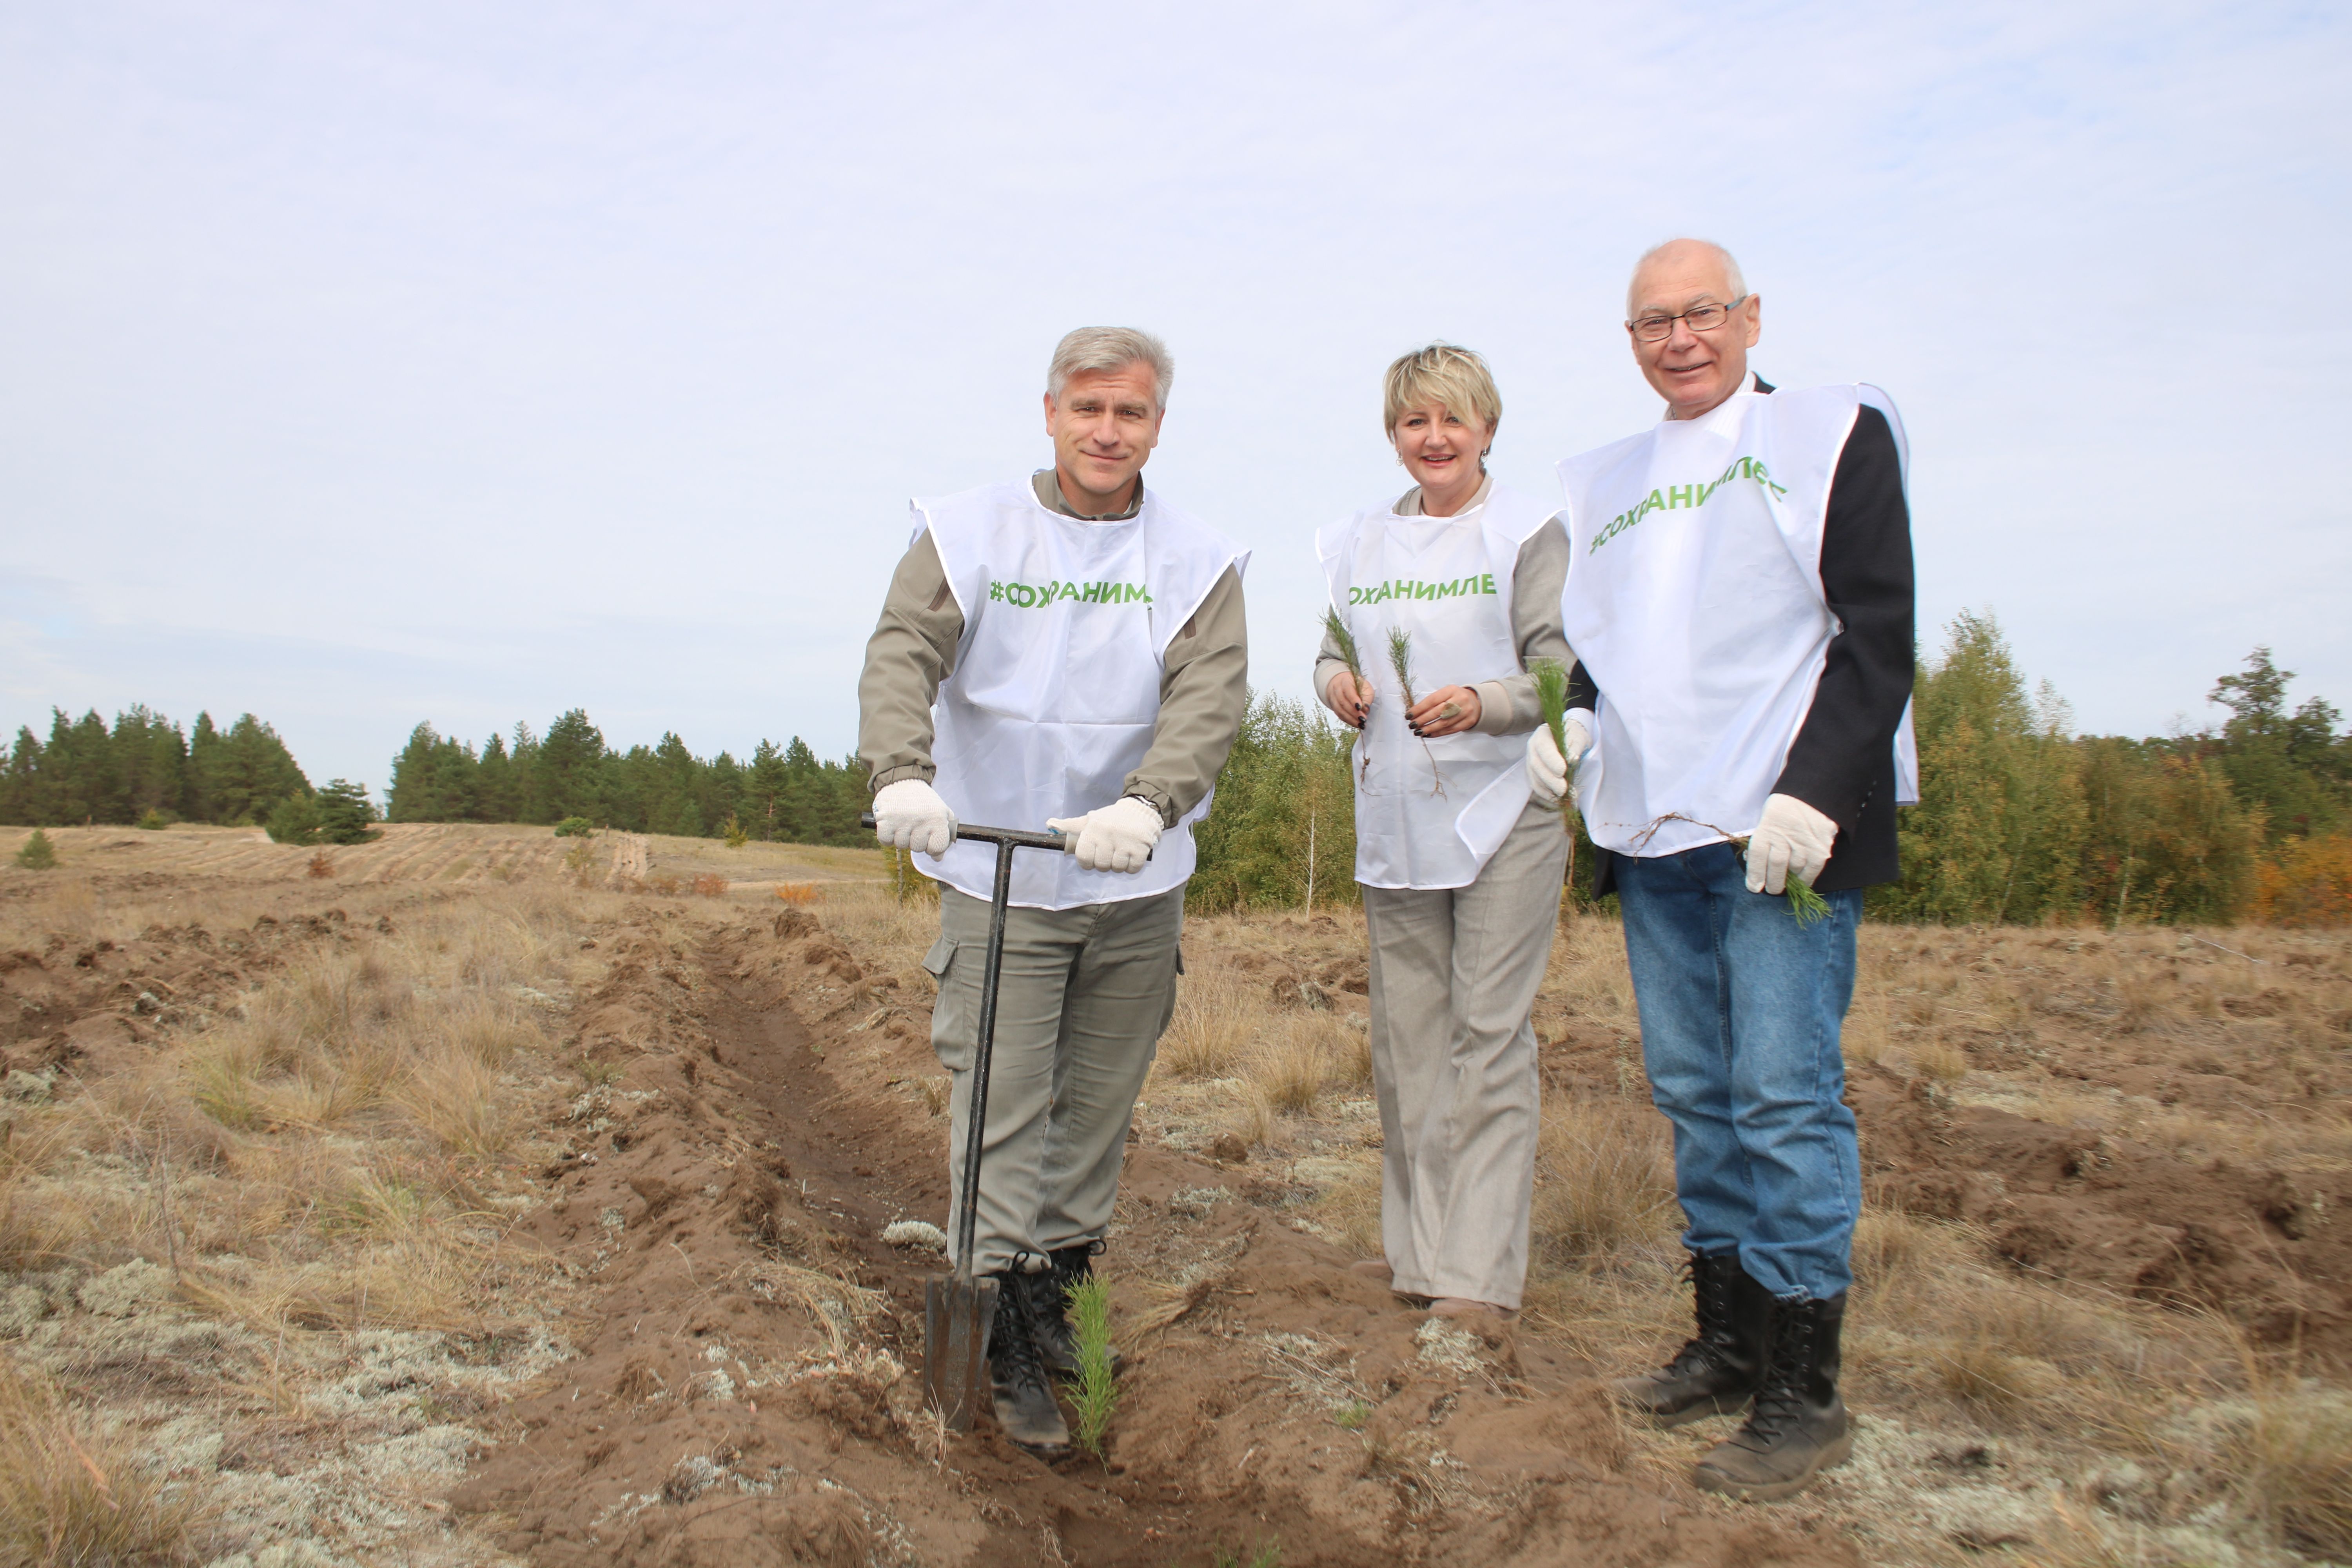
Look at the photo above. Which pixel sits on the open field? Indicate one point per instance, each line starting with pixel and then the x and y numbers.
pixel 454 1206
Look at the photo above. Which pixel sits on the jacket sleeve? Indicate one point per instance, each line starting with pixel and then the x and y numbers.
pixel 1843 754
pixel 913 648
pixel 1203 694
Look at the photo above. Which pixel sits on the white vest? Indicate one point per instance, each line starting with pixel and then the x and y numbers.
pixel 1429 814
pixel 1055 689
pixel 1695 600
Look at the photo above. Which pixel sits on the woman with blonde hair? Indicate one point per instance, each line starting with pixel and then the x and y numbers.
pixel 1447 598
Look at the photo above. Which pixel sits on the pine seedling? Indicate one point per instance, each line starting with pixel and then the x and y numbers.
pixel 1337 633
pixel 1092 1390
pixel 1335 628
pixel 39 854
pixel 1804 904
pixel 1400 660
pixel 1551 691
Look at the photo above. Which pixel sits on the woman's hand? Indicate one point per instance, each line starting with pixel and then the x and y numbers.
pixel 1350 698
pixel 1448 710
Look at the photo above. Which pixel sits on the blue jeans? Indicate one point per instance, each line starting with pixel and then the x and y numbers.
pixel 1740 1008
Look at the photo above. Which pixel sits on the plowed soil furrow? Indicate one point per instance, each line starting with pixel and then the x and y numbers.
pixel 735 1402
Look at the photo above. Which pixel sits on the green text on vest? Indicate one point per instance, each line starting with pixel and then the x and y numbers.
pixel 1413 588
pixel 1691 495
pixel 1037 595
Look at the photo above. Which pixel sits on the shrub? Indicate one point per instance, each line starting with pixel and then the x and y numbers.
pixel 2309 883
pixel 575 827
pixel 734 832
pixel 39 854
pixel 710 885
pixel 155 821
pixel 323 864
pixel 295 820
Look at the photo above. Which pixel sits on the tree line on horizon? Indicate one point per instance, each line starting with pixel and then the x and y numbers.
pixel 146 770
pixel 2022 821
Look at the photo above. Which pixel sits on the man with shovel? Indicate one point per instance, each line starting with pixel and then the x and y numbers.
pixel 1063 651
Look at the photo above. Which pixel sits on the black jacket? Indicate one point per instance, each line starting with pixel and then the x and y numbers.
pixel 1842 761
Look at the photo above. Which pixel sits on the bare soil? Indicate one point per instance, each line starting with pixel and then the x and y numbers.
pixel 2146 1125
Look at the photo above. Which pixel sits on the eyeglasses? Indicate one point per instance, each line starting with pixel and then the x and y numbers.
pixel 1698 318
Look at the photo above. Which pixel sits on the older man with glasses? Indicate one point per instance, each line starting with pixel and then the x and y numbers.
pixel 1739 594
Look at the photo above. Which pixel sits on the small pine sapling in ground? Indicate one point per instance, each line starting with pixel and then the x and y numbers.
pixel 1092 1391
pixel 153 821
pixel 734 832
pixel 575 827
pixel 38 854
pixel 1400 660
pixel 323 864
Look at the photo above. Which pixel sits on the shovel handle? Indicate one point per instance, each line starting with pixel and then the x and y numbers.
pixel 1067 843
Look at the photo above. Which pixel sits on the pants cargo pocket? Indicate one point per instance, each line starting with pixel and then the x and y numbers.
pixel 955 1014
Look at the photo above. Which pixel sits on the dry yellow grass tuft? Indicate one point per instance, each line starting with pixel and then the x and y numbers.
pixel 70 1494
pixel 1605 1180
pixel 1214 1021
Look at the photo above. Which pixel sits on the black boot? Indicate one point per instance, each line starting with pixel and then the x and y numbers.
pixel 1717 1370
pixel 1056 1341
pixel 1024 1389
pixel 1798 1428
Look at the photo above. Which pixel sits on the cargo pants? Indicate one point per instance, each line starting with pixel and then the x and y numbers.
pixel 1082 999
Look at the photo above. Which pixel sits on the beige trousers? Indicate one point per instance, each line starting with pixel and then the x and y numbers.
pixel 1454 976
pixel 1083 998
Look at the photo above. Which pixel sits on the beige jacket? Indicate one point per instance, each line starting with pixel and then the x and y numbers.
pixel 1507 707
pixel 1203 686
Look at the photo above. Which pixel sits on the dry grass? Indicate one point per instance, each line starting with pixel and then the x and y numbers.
pixel 72 1494
pixel 2290 1459
pixel 1215 1018
pixel 1604 1182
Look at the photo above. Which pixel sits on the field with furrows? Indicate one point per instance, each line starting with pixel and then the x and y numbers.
pixel 477 1196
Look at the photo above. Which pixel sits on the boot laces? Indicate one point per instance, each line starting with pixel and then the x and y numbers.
pixel 1013 1346
pixel 1781 1402
pixel 1706 1351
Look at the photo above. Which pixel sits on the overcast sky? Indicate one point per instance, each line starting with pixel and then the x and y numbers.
pixel 365 364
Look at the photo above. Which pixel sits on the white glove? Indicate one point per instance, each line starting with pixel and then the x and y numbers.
pixel 1793 840
pixel 1114 837
pixel 1546 769
pixel 909 815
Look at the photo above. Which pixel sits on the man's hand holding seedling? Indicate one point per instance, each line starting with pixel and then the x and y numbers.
pixel 1791 843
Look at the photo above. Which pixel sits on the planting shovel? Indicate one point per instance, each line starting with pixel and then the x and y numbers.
pixel 957 1308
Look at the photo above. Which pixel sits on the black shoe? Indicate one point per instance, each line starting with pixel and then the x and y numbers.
pixel 1717 1370
pixel 1799 1427
pixel 1024 1389
pixel 1050 1306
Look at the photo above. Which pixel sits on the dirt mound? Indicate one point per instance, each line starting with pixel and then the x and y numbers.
pixel 743 1391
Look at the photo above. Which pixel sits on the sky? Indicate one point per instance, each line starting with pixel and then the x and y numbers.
pixel 369 364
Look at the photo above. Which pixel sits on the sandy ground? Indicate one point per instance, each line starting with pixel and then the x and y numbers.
pixel 632 1303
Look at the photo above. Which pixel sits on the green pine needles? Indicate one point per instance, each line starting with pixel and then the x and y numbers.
pixel 37 853
pixel 1092 1391
pixel 1551 691
pixel 1400 660
pixel 1336 630
pixel 1804 903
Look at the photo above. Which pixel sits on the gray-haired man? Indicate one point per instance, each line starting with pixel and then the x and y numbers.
pixel 1065 651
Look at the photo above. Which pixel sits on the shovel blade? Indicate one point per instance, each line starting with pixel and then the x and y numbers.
pixel 957 1315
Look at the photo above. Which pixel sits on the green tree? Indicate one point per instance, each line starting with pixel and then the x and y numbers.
pixel 568 770
pixel 2287 765
pixel 344 813
pixel 1997 833
pixel 1287 785
pixel 36 852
